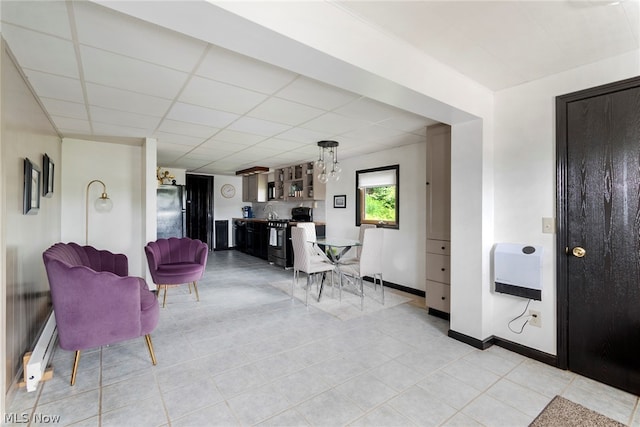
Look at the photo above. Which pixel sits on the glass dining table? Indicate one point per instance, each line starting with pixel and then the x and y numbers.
pixel 335 248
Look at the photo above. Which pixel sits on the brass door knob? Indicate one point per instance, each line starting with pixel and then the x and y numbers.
pixel 578 252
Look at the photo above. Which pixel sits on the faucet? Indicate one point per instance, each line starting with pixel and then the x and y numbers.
pixel 271 214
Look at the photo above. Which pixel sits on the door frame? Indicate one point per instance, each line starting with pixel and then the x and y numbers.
pixel 562 243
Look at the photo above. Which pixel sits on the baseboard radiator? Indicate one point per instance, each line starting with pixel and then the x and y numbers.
pixel 35 363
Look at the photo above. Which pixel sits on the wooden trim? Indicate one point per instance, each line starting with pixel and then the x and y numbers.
pixel 561 360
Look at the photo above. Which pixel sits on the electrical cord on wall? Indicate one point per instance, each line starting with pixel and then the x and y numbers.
pixel 519 317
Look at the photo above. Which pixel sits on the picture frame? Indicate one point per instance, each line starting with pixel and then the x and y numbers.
pixel 340 201
pixel 31 195
pixel 48 168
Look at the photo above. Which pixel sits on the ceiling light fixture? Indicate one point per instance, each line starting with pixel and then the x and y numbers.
pixel 330 150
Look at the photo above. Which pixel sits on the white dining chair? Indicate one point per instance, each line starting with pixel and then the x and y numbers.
pixel 304 261
pixel 369 264
pixel 357 249
pixel 310 227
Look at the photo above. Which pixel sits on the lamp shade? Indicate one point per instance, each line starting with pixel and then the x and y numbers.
pixel 103 203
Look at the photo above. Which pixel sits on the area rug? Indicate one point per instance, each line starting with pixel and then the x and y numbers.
pixel 565 413
pixel 349 306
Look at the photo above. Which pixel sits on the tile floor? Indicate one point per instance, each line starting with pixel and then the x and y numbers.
pixel 247 354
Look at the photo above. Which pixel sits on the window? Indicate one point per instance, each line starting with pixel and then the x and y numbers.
pixel 377 196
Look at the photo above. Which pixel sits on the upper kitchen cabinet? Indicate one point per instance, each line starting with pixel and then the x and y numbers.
pixel 298 182
pixel 254 188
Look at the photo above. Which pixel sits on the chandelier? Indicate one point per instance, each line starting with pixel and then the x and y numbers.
pixel 328 150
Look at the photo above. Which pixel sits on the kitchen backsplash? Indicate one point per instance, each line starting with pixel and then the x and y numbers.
pixel 283 209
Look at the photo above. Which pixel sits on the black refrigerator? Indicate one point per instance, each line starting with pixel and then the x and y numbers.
pixel 171 211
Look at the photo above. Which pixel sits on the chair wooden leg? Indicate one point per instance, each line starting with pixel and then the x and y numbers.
pixel 150 347
pixel 164 299
pixel 195 288
pixel 189 284
pixel 76 360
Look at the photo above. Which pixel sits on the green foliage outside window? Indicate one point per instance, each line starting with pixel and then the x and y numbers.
pixel 380 203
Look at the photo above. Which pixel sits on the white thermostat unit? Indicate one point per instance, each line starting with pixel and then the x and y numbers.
pixel 518 270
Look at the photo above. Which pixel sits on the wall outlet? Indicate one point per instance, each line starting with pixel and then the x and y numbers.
pixel 535 319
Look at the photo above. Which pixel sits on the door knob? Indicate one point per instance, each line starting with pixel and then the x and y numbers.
pixel 578 252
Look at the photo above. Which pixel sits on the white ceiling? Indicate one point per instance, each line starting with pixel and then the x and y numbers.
pixel 101 74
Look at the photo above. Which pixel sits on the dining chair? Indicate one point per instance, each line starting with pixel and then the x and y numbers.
pixel 304 261
pixel 370 262
pixel 315 251
pixel 358 249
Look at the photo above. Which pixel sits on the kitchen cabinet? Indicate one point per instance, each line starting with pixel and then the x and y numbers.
pixel 254 188
pixel 438 217
pixel 298 183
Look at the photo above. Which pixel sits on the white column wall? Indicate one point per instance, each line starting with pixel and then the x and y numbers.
pixel 119 167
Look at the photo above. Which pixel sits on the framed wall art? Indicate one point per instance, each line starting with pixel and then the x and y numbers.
pixel 47 176
pixel 340 201
pixel 31 196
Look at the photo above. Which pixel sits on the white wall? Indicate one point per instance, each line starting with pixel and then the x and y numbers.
pixel 525 181
pixel 405 248
pixel 119 166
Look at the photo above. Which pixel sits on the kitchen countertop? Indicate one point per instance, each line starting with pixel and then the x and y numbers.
pixel 266 220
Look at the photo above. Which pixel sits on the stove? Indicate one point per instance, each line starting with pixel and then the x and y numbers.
pixel 280 251
pixel 278 223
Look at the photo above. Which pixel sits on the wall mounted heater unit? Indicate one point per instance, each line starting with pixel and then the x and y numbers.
pixel 35 362
pixel 518 270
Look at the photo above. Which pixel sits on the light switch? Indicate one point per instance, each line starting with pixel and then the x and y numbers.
pixel 548 225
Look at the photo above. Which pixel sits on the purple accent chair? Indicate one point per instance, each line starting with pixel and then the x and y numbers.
pixel 176 261
pixel 95 302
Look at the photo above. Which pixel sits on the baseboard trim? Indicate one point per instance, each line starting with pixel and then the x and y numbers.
pixel 402 288
pixel 440 314
pixel 529 352
pixel 473 342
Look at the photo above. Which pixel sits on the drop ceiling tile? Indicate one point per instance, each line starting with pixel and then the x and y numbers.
pixel 292 157
pixel 50 86
pixel 276 144
pixel 333 124
pixel 188 164
pixel 117 117
pixel 166 158
pixel 229 67
pixel 310 152
pixel 183 128
pixel 71 125
pixel 113 31
pixel 228 147
pixel 236 137
pixel 184 140
pixel 168 146
pixel 103 96
pixel 282 111
pixel 315 94
pixel 49 17
pixel 220 96
pixel 41 52
pixel 56 107
pixel 200 115
pixel 107 129
pixel 258 127
pixel 302 135
pixel 118 71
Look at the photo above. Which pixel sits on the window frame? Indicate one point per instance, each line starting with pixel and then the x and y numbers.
pixel 359 198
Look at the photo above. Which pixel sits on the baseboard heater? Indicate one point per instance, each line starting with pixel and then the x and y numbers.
pixel 35 362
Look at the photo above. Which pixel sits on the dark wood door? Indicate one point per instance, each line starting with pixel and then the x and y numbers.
pixel 599 278
pixel 200 208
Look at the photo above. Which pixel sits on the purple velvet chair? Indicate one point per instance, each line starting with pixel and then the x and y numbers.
pixel 176 261
pixel 95 302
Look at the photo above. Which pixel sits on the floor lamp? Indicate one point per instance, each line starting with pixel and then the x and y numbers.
pixel 102 204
